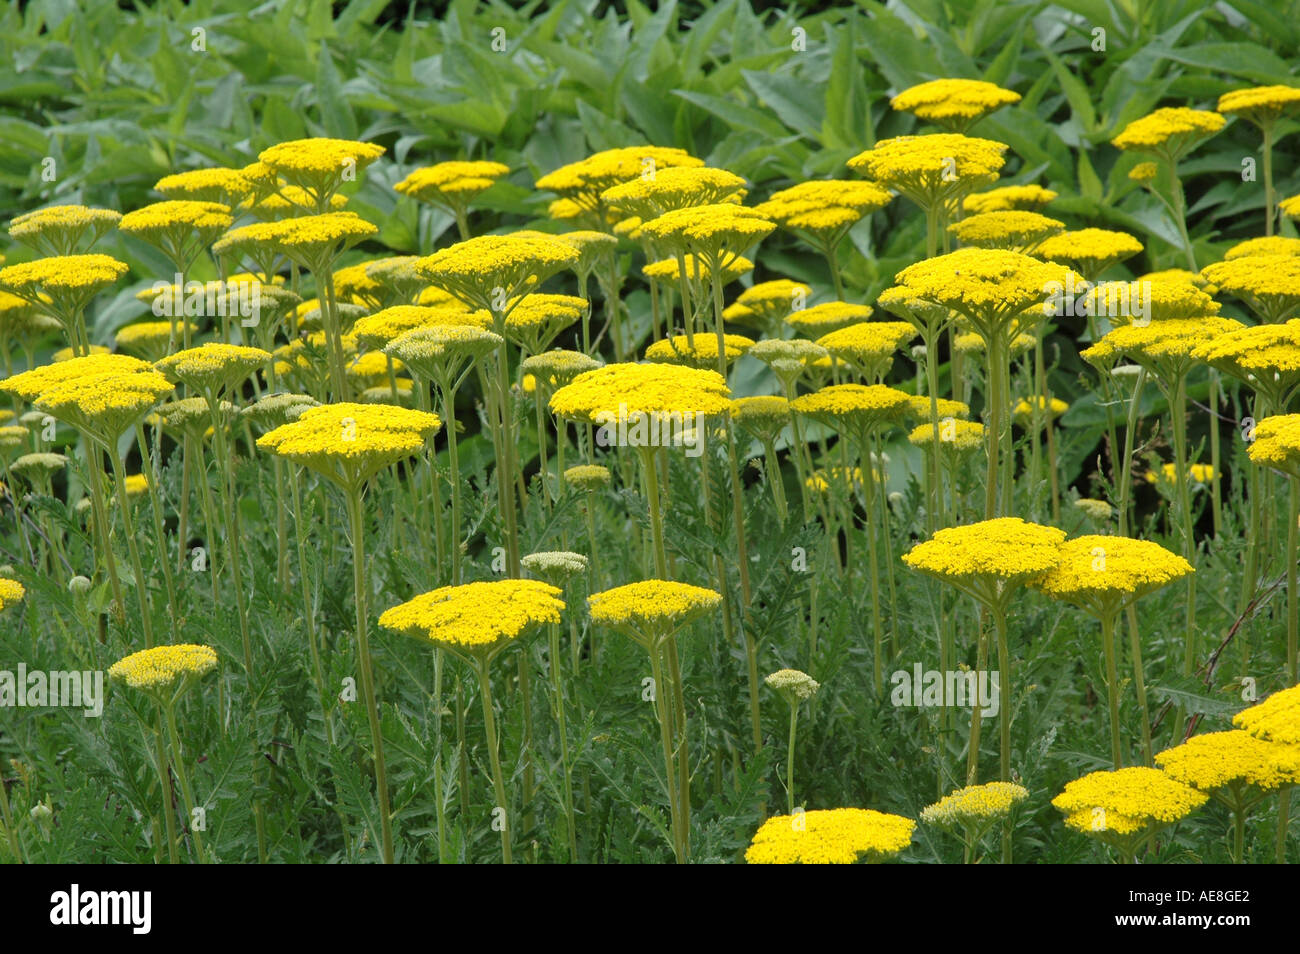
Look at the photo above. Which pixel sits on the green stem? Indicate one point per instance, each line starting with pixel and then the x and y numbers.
pixel 1112 686
pixel 359 584
pixel 494 756
pixel 183 776
pixel 789 758
pixel 133 550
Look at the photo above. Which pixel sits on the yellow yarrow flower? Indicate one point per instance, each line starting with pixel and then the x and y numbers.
pixel 1103 574
pixel 105 405
pixel 1007 198
pixel 61 230
pixel 837 836
pixel 933 169
pixel 587 478
pixel 954 435
pixel 213 368
pixel 827 317
pixel 11 592
pixel 1169 132
pixel 704 352
pixel 1126 801
pixel 350 443
pixel 975 805
pixel 1017 231
pixel 1277 443
pixel 641 389
pixel 1268 284
pixel 1023 411
pixel 1276 719
pixel 1089 251
pixel 163 667
pixel 954 104
pixel 490 271
pixel 224 186
pixel 477 619
pixel 650 611
pixel 988 555
pixel 1260 104
pixel 1216 760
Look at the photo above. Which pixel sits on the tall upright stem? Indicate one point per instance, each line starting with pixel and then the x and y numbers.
pixel 494 757
pixel 353 498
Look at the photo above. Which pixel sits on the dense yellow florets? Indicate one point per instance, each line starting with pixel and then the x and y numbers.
pixel 162 667
pixel 1125 801
pixel 642 389
pixel 1104 573
pixel 954 103
pixel 975 805
pixel 477 617
pixel 837 836
pixel 1218 759
pixel 1168 130
pixel 652 608
pixel 1005 548
pixel 1276 719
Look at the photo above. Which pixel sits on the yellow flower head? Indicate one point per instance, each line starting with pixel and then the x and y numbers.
pixel 641 389
pixel 954 103
pixel 859 406
pixel 1002 550
pixel 1260 104
pixel 1168 474
pixel 437 352
pixel 1264 357
pixel 176 217
pixel 104 405
pixel 932 169
pixel 1144 172
pixel 275 409
pixel 1090 251
pixel 489 271
pixel 61 230
pixel 1268 284
pixel 68 282
pixel 319 165
pixel 824 208
pixel 1014 230
pixel 766 303
pixel 1215 760
pixel 535 320
pixel 224 186
pixel 704 354
pixel 161 668
pixel 1277 443
pixel 310 240
pixel 478 619
pixel 668 270
pixel 954 435
pixel 710 231
pixel 350 443
pixel 11 592
pixel 1126 801
pixel 1270 245
pixel 975 805
pixel 868 343
pixel 991 288
pixel 580 184
pixel 213 368
pixel 1276 719
pixel 1007 198
pixel 762 416
pixel 377 330
pixel 651 610
pixel 827 317
pixel 452 185
pixel 28 384
pixel 840 836
pixel 677 187
pixel 919 407
pixel 1103 574
pixel 1170 131
pixel 1024 409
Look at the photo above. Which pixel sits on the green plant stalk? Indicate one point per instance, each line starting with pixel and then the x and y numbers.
pixel 829 252
pixel 1179 404
pixel 309 615
pixel 99 513
pixel 1270 215
pixel 543 465
pixel 506 478
pixel 6 816
pixel 887 540
pixel 666 742
pixel 1112 686
pixel 877 633
pixel 1126 465
pixel 981 663
pixel 1004 717
pixel 353 498
pixel 333 333
pixel 789 757
pixel 773 467
pixel 440 808
pixel 182 518
pixel 996 371
pixel 494 755
pixel 227 487
pixel 1216 505
pixel 566 765
pixel 1139 681
pixel 132 548
pixel 453 455
pixel 164 559
pixel 210 521
pixel 173 853
pixel 183 776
